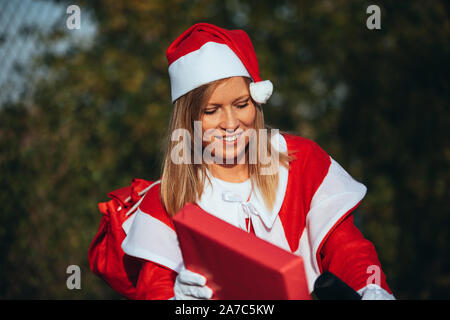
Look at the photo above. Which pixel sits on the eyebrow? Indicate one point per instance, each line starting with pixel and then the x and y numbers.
pixel 234 101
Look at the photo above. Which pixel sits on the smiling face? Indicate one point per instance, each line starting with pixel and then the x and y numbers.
pixel 227 117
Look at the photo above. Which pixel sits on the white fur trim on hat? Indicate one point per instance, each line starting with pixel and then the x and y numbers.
pixel 213 61
pixel 261 91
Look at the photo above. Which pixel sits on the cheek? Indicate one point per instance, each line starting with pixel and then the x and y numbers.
pixel 249 116
pixel 209 125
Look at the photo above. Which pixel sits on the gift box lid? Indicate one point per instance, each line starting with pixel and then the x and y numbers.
pixel 237 264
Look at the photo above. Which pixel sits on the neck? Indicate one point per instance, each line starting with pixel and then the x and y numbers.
pixel 230 172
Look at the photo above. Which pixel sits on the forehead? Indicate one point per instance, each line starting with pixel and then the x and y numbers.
pixel 229 90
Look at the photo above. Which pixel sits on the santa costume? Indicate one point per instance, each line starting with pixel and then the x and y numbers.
pixel 315 197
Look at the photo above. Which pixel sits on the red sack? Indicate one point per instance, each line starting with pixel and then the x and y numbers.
pixel 106 257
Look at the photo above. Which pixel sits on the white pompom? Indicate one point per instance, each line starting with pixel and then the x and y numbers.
pixel 261 91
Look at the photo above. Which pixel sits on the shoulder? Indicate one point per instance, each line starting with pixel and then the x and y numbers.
pixel 298 144
pixel 308 156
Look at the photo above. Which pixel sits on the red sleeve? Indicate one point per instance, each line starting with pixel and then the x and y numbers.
pixel 351 257
pixel 155 282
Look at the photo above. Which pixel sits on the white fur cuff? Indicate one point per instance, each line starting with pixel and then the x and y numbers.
pixel 374 292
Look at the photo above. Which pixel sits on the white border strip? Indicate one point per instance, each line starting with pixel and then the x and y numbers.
pixel 337 194
pixel 151 239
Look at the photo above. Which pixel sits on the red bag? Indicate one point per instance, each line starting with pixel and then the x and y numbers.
pixel 106 257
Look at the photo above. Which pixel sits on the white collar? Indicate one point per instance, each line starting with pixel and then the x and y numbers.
pixel 228 201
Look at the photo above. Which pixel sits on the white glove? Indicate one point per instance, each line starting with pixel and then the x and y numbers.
pixel 374 292
pixel 191 286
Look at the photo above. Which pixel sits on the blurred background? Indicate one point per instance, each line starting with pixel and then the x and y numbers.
pixel 83 111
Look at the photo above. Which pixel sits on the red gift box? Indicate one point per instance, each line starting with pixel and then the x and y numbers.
pixel 238 265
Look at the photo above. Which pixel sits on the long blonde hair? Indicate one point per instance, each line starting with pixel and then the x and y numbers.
pixel 183 182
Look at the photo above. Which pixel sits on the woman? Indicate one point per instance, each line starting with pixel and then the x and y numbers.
pixel 283 188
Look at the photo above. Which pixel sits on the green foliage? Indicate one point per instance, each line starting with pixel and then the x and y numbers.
pixel 375 100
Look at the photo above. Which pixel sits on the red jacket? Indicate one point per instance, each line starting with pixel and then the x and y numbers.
pixel 314 217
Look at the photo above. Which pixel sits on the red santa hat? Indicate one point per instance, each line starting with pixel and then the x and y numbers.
pixel 205 53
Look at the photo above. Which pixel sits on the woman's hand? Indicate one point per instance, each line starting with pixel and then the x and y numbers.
pixel 191 286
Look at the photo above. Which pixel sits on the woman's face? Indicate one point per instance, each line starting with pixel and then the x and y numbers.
pixel 227 116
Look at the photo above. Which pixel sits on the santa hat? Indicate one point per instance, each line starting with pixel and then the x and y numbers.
pixel 205 53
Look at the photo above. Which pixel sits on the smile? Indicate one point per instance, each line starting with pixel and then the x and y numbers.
pixel 229 138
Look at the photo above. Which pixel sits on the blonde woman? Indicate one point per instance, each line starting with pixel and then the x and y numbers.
pixel 221 156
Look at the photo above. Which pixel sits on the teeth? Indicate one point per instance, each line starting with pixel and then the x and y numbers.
pixel 230 138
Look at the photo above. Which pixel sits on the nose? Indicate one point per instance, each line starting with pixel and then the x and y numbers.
pixel 230 122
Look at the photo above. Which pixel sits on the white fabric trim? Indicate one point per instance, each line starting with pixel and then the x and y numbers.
pixel 212 61
pixel 305 251
pixel 269 216
pixel 150 239
pixel 127 223
pixel 375 292
pixel 233 212
pixel 275 235
pixel 337 194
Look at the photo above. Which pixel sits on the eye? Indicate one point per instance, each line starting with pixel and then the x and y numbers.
pixel 242 105
pixel 209 110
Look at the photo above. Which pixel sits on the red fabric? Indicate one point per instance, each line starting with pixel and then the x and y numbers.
pixel 155 282
pixel 306 173
pixel 319 249
pixel 237 265
pixel 106 257
pixel 199 34
pixel 247 221
pixel 152 205
pixel 348 255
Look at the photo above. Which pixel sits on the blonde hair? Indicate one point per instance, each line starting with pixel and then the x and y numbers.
pixel 183 182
